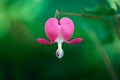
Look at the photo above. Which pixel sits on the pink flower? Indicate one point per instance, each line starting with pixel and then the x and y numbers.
pixel 59 31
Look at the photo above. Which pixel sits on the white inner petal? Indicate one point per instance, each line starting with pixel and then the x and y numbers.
pixel 59 52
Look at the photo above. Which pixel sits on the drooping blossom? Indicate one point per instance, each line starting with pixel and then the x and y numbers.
pixel 59 31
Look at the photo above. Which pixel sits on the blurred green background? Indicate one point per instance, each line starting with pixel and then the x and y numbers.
pixel 22 58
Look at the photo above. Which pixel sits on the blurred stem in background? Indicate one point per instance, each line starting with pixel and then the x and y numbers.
pixel 21 33
pixel 96 41
pixel 104 55
pixel 117 20
pixel 4 19
pixel 4 10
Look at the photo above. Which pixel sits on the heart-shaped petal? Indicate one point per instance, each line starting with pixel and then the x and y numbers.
pixel 52 29
pixel 67 28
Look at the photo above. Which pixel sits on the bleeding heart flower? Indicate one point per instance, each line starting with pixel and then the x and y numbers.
pixel 59 31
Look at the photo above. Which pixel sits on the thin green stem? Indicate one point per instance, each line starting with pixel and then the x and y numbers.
pixel 117 20
pixel 94 17
pixel 107 62
pixel 104 56
pixel 57 14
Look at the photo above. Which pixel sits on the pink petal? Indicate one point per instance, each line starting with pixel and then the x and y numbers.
pixel 75 41
pixel 67 28
pixel 43 41
pixel 52 29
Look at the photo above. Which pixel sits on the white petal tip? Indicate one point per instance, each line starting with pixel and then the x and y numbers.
pixel 59 53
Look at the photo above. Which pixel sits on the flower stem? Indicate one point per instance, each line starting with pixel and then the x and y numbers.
pixel 104 56
pixel 117 20
pixel 92 17
pixel 57 14
pixel 107 62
